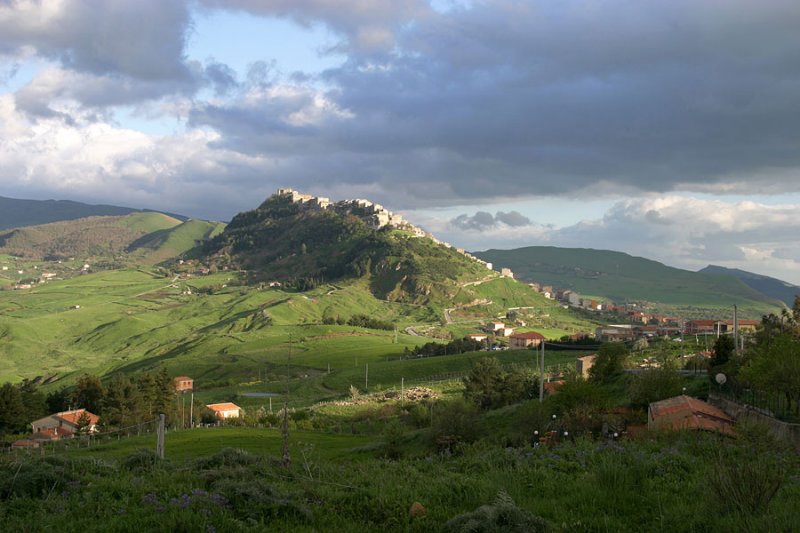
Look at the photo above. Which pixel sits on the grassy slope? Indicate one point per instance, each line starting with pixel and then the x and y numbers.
pixel 774 288
pixel 133 320
pixel 88 237
pixel 163 244
pixel 621 277
pixel 16 213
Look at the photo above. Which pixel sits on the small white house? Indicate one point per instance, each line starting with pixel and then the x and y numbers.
pixel 225 410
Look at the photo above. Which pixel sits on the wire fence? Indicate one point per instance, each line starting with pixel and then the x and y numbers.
pixel 771 403
pixel 88 440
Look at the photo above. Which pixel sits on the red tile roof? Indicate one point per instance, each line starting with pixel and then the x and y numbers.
pixel 228 406
pixel 73 416
pixel 685 412
pixel 551 387
pixel 528 335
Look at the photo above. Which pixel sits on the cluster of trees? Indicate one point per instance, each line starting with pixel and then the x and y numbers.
pixel 772 363
pixel 360 321
pixel 122 401
pixel 490 386
pixel 451 348
pixel 20 404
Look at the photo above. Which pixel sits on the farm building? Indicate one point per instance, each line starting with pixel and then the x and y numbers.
pixel 530 339
pixel 583 364
pixel 183 383
pixel 225 410
pixel 685 412
pixel 66 420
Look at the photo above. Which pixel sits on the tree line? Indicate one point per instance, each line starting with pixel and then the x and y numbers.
pixel 122 401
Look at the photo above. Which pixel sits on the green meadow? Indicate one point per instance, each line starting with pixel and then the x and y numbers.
pixel 234 338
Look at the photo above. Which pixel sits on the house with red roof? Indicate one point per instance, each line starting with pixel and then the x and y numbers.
pixel 225 410
pixel 67 420
pixel 529 339
pixel 685 412
pixel 183 383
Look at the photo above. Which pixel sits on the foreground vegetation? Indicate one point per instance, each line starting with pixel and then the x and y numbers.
pixel 680 482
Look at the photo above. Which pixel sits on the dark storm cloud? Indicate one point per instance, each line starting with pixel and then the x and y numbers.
pixel 142 39
pixel 108 53
pixel 368 26
pixel 560 98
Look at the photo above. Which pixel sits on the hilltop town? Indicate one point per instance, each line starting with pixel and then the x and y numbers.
pixel 374 215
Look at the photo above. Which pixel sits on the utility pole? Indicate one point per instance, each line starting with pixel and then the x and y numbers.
pixel 285 426
pixel 366 378
pixel 735 329
pixel 191 411
pixel 541 376
pixel 683 346
pixel 160 431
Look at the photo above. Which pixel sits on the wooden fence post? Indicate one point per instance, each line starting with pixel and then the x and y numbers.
pixel 160 435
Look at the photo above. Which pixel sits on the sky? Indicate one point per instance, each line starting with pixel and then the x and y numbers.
pixel 664 129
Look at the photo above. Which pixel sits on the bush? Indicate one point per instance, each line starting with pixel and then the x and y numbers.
pixel 393 435
pixel 31 479
pixel 610 362
pixel 654 385
pixel 228 457
pixel 454 423
pixel 143 459
pixel 489 386
pixel 256 500
pixel 503 516
pixel 746 486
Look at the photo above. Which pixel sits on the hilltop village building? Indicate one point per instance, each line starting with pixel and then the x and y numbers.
pixel 375 215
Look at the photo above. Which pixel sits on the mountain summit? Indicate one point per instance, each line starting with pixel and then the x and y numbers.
pixel 304 240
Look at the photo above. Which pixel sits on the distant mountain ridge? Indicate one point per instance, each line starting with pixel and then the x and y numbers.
pixel 772 287
pixel 620 277
pixel 142 237
pixel 18 213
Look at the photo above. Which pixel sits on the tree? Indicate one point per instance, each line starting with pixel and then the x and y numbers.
pixel 775 367
pixel 83 424
pixel 58 400
pixel 164 393
pixel 484 382
pixel 723 350
pixel 89 393
pixel 489 386
pixel 609 363
pixel 122 405
pixel 33 401
pixel 654 385
pixel 12 410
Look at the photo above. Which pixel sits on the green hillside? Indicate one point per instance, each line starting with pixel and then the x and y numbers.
pixel 282 241
pixel 86 237
pixel 16 213
pixel 224 334
pixel 623 278
pixel 774 288
pixel 214 316
pixel 163 244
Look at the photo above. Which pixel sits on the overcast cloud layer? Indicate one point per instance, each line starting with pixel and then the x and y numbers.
pixel 485 101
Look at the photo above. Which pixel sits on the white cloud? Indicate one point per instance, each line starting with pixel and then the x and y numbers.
pixel 678 230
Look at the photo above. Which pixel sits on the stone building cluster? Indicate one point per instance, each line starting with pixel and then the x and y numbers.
pixel 375 215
